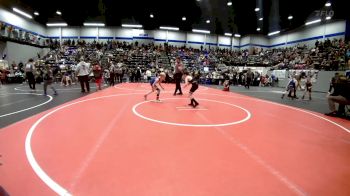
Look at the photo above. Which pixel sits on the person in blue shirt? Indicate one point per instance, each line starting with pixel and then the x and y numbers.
pixel 290 89
pixel 156 85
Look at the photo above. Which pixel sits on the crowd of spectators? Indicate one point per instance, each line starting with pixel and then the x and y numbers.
pixel 133 62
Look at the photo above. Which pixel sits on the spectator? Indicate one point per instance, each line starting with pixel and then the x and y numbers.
pixel 97 71
pixel 30 70
pixel 83 71
pixel 341 95
pixel 48 78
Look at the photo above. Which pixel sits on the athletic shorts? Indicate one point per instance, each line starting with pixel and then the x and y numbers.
pixel 194 87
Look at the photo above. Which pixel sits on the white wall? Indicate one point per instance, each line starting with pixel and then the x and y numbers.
pixel 71 33
pixel 160 37
pixel 304 35
pixel 106 33
pixel 224 42
pixel 195 40
pixel 309 34
pixel 259 40
pixel 176 38
pixel 26 52
pixel 212 41
pixel 22 23
pixel 244 43
pixel 142 36
pixel 89 34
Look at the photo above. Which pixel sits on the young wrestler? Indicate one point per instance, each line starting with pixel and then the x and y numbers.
pixel 290 89
pixel 191 80
pixel 155 84
pixel 308 87
pixel 226 85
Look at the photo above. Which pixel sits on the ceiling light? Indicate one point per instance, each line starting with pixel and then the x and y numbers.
pixel 58 12
pixel 328 4
pixel 94 24
pixel 328 18
pixel 22 13
pixel 229 3
pixel 170 28
pixel 237 35
pixel 228 34
pixel 273 33
pixel 260 19
pixel 56 24
pixel 208 21
pixel 200 31
pixel 184 18
pixel 258 29
pixel 131 26
pixel 36 13
pixel 257 9
pixel 290 17
pixel 151 16
pixel 313 22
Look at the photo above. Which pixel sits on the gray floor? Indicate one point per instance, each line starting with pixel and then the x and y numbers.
pixel 317 104
pixel 16 97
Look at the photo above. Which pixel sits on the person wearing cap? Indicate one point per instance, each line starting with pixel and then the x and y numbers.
pixel 156 85
pixel 83 71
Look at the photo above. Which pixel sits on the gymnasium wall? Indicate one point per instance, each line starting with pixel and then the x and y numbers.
pixel 304 35
pixel 310 34
pixel 21 53
pixel 21 23
pixel 3 49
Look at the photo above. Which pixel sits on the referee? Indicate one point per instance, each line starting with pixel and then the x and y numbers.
pixel 178 75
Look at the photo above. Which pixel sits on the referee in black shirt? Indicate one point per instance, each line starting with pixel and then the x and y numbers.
pixel 178 75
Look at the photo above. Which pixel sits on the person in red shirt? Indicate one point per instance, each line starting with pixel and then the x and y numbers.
pixel 97 71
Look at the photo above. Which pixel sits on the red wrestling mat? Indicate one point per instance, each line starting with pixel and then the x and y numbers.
pixel 114 143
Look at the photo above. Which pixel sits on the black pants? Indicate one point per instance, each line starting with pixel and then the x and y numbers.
pixel 112 79
pixel 31 80
pixel 120 78
pixel 247 84
pixel 177 78
pixel 84 81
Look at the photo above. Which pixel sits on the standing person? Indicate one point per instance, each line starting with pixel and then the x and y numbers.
pixel 156 84
pixel 308 87
pixel 332 82
pixel 29 69
pixel 193 81
pixel 248 80
pixel 119 73
pixel 340 95
pixel 178 75
pixel 83 71
pixel 149 75
pixel 290 89
pixel 138 74
pixel 112 73
pixel 97 71
pixel 48 77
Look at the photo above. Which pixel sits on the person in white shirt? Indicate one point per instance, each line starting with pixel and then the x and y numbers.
pixel 83 71
pixel 149 75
